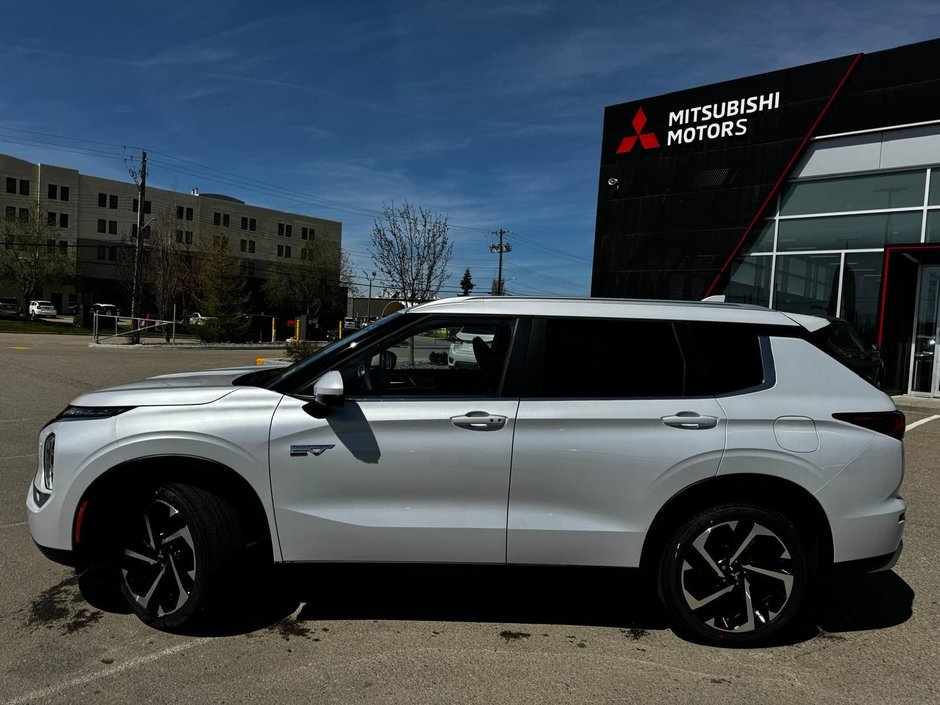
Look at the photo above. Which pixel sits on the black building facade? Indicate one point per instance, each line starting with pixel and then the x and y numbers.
pixel 814 189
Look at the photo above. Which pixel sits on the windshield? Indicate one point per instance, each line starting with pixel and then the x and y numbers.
pixel 286 377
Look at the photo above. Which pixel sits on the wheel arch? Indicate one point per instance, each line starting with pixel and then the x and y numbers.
pixel 95 517
pixel 796 503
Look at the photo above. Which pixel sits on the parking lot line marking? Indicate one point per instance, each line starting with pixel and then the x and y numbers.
pixel 922 422
pixel 19 347
pixel 10 526
pixel 105 673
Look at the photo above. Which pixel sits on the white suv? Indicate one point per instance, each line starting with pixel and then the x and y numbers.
pixel 711 444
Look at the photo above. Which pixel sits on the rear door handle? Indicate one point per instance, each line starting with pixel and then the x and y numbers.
pixel 479 421
pixel 690 420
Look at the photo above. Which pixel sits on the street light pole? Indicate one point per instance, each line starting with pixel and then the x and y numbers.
pixel 369 309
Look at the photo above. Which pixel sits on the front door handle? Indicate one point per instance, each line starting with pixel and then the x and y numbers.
pixel 479 421
pixel 690 420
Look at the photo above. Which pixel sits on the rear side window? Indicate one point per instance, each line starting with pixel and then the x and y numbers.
pixel 598 358
pixel 730 356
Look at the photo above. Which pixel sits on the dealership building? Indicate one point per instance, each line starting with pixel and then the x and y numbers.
pixel 814 189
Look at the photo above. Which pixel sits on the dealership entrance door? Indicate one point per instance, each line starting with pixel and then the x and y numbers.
pixel 925 371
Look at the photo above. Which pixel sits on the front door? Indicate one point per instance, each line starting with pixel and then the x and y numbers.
pixel 414 467
pixel 924 364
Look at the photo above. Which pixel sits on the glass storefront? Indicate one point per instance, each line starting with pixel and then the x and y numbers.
pixel 822 253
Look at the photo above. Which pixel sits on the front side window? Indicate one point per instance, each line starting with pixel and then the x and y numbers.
pixel 453 356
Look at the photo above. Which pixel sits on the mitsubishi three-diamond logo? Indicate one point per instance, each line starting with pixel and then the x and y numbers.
pixel 647 140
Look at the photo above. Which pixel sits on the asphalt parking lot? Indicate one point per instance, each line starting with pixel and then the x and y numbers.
pixel 430 636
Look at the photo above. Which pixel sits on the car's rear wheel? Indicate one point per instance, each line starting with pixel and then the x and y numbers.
pixel 178 548
pixel 734 574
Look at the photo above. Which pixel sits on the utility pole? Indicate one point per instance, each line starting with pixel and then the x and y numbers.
pixel 142 194
pixel 500 248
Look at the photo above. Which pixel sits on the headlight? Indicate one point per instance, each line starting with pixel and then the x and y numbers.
pixel 92 412
pixel 48 461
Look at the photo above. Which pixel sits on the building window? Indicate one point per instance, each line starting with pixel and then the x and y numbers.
pixel 147 207
pixel 179 235
pixel 244 245
pixel 11 185
pixel 283 250
pixel 133 229
pixel 24 215
pixel 135 205
pixel 10 213
pixel 64 195
pixel 50 218
pixel 217 218
pixel 50 246
pixel 244 223
pixel 189 214
pixel 24 187
pixel 102 225
pixel 53 192
pixel 252 224
pixel 307 233
pixel 188 237
pixel 220 241
pixel 63 220
pixel 112 201
pixel 112 254
pixel 63 247
pixel 225 220
pixel 102 200
pixel 112 227
pixel 102 252
pixel 248 268
pixel 248 246
pixel 179 212
pixel 280 229
pixel 287 230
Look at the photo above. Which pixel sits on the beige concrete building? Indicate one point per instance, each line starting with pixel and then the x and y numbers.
pixel 93 217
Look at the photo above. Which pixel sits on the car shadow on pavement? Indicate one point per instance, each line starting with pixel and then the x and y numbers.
pixel 583 596
pixel 515 595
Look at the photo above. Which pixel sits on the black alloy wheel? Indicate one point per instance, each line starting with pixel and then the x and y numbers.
pixel 735 574
pixel 178 548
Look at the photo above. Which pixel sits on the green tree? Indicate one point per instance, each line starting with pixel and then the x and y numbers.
pixel 466 284
pixel 223 292
pixel 311 283
pixel 30 257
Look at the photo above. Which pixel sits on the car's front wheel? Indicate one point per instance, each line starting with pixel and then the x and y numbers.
pixel 734 574
pixel 178 549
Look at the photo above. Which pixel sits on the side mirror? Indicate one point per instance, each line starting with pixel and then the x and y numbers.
pixel 387 360
pixel 327 394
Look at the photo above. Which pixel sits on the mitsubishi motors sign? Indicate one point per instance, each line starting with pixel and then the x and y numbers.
pixel 685 177
pixel 698 123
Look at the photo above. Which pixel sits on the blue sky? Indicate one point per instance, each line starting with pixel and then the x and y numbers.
pixel 488 112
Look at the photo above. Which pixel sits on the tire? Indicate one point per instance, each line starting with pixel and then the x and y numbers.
pixel 178 550
pixel 735 575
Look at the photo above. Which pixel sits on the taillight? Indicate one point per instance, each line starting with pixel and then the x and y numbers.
pixel 890 423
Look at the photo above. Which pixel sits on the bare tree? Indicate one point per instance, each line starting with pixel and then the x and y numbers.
pixel 347 275
pixel 412 248
pixel 30 255
pixel 168 258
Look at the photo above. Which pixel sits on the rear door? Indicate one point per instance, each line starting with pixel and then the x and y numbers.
pixel 606 433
